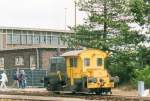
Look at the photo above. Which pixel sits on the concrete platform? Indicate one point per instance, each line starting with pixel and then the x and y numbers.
pixel 43 91
pixel 41 94
pixel 38 98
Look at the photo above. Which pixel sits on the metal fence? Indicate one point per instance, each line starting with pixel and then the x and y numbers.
pixel 34 77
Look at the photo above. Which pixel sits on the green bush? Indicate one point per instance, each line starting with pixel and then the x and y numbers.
pixel 141 75
pixel 122 65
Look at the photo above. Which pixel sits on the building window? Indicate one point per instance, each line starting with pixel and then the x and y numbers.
pixel 1 62
pixel 24 39
pixel 16 39
pixel 9 38
pixel 99 61
pixel 32 62
pixel 48 40
pixel 54 40
pixel 36 39
pixel 86 62
pixel 19 61
pixel 29 39
pixel 1 31
pixel 43 39
pixel 4 30
pixel 73 62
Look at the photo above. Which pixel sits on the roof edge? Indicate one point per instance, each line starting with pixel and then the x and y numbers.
pixel 36 29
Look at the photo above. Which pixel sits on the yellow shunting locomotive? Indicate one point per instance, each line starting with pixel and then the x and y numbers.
pixel 79 71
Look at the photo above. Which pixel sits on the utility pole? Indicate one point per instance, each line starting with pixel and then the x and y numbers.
pixel 75 15
pixel 75 21
pixel 65 18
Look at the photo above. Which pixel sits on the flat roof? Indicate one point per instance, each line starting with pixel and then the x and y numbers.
pixel 31 47
pixel 72 53
pixel 36 29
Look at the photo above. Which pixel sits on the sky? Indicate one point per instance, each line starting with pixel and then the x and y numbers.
pixel 39 13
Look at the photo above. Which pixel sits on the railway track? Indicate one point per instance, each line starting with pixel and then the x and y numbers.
pixel 71 98
pixel 68 97
pixel 105 97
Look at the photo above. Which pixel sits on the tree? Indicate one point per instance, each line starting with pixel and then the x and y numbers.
pixel 141 11
pixel 106 28
pixel 142 75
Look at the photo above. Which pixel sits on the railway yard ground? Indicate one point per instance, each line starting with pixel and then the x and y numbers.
pixel 41 94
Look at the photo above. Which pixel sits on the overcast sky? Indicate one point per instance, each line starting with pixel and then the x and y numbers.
pixel 38 13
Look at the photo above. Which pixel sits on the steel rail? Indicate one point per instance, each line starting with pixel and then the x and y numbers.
pixel 76 97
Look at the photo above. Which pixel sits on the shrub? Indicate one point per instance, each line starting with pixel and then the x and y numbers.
pixel 141 75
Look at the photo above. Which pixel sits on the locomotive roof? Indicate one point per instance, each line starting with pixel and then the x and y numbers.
pixel 72 53
pixel 78 52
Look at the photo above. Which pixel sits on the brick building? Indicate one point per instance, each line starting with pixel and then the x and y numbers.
pixel 29 47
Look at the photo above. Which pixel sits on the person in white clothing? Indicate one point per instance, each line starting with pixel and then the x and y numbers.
pixel 3 80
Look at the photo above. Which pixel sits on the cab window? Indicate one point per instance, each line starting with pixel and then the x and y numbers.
pixel 57 64
pixel 99 62
pixel 73 62
pixel 86 62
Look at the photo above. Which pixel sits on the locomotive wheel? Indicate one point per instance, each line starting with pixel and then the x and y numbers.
pixel 107 91
pixel 48 87
pixel 53 87
pixel 102 91
pixel 98 91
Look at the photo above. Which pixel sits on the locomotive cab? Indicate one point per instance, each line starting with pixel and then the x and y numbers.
pixel 85 70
